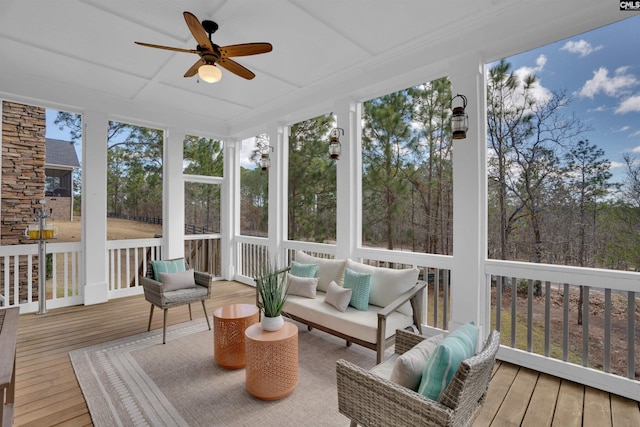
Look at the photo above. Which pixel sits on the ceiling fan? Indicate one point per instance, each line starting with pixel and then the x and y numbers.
pixel 212 54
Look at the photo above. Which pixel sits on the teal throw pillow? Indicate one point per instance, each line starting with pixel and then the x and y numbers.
pixel 360 284
pixel 303 270
pixel 443 363
pixel 168 266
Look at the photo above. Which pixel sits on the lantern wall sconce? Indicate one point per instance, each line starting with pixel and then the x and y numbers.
pixel 334 143
pixel 459 119
pixel 265 161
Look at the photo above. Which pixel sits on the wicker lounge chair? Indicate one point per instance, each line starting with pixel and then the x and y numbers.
pixel 154 293
pixel 370 400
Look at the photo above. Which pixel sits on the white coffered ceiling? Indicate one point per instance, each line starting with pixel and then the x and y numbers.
pixel 80 55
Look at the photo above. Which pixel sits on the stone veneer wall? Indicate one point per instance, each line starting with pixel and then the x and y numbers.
pixel 23 176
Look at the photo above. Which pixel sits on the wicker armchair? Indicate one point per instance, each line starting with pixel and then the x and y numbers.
pixel 370 400
pixel 154 294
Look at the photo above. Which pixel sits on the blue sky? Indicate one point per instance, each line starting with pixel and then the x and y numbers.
pixel 600 72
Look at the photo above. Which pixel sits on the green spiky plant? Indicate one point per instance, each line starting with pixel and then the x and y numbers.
pixel 272 289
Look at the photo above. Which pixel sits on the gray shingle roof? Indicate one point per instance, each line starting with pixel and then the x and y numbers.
pixel 61 153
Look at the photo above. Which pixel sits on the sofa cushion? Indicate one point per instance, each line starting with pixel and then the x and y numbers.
pixel 443 363
pixel 387 284
pixel 328 269
pixel 384 369
pixel 408 367
pixel 302 286
pixel 338 297
pixel 354 323
pixel 175 281
pixel 168 266
pixel 360 284
pixel 303 270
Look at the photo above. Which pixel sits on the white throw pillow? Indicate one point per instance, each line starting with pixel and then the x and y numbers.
pixel 175 281
pixel 408 367
pixel 387 284
pixel 328 269
pixel 338 296
pixel 302 286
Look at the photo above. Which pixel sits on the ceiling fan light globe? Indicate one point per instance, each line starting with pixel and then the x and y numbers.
pixel 209 73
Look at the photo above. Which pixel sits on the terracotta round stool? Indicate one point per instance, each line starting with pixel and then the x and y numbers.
pixel 229 324
pixel 272 361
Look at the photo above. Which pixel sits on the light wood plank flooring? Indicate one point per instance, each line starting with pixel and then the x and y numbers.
pixel 47 392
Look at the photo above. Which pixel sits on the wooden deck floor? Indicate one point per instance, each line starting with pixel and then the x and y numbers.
pixel 48 394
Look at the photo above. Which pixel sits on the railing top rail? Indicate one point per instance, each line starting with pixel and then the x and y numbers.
pixel 582 276
pixel 407 257
pixel 133 243
pixel 207 236
pixel 325 248
pixel 252 239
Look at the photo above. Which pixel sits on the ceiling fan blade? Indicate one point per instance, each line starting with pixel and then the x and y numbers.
pixel 194 68
pixel 245 49
pixel 236 68
pixel 198 31
pixel 176 49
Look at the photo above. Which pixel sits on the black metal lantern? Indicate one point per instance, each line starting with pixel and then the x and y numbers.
pixel 334 143
pixel 459 119
pixel 265 161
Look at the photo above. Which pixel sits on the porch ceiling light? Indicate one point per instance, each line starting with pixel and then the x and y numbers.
pixel 209 73
pixel 459 119
pixel 334 143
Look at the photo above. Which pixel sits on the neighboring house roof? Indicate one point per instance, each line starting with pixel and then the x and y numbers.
pixel 61 154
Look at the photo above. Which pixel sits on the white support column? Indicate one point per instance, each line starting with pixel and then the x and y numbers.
pixel 278 190
pixel 94 207
pixel 230 214
pixel 349 179
pixel 470 295
pixel 173 191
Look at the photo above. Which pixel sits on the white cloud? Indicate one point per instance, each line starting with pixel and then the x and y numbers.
pixel 581 47
pixel 636 133
pixel 598 109
pixel 636 149
pixel 622 129
pixel 246 149
pixel 616 85
pixel 538 91
pixel 629 105
pixel 616 165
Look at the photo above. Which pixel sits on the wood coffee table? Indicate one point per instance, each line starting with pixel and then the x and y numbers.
pixel 272 361
pixel 229 324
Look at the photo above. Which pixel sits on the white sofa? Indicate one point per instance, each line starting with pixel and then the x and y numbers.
pixel 395 300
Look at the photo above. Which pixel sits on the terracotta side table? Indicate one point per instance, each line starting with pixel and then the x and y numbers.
pixel 272 361
pixel 229 324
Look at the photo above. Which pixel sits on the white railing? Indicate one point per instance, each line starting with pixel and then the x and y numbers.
pixel 250 253
pixel 127 261
pixel 539 326
pixel 19 276
pixel 202 253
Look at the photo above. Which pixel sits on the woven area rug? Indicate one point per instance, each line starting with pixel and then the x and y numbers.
pixel 137 381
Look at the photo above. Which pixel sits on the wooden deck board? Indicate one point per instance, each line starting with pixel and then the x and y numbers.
pixel 516 401
pixel 569 406
pixel 48 394
pixel 543 402
pixel 597 408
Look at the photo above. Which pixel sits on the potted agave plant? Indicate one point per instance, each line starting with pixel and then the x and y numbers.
pixel 272 290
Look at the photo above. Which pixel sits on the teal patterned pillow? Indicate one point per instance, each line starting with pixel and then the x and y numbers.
pixel 169 266
pixel 444 361
pixel 303 270
pixel 360 284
